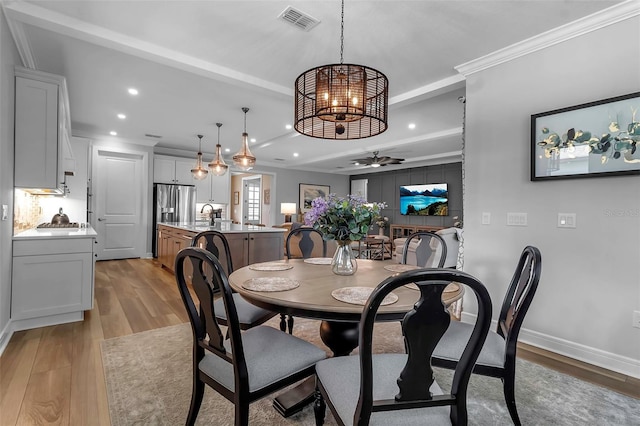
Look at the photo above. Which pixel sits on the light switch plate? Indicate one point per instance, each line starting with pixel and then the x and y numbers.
pixel 516 219
pixel 566 220
pixel 486 218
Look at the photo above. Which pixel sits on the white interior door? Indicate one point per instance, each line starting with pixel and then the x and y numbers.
pixel 119 183
pixel 251 200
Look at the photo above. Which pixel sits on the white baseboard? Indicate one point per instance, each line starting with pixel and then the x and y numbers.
pixel 610 361
pixel 5 337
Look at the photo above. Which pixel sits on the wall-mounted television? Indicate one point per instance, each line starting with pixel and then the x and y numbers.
pixel 424 200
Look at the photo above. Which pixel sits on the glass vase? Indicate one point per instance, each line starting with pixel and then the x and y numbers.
pixel 344 262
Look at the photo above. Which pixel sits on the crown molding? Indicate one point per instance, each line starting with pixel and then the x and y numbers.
pixel 16 28
pixel 593 22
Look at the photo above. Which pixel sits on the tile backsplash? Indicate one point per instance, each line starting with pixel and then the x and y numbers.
pixel 26 211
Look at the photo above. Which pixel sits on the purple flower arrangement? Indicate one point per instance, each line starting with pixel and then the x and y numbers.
pixel 342 218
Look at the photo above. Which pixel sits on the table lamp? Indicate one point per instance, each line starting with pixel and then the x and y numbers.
pixel 287 209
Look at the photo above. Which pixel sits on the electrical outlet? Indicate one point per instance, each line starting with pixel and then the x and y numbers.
pixel 566 220
pixel 486 218
pixel 636 319
pixel 516 219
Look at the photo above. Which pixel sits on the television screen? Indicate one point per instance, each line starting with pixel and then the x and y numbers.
pixel 424 200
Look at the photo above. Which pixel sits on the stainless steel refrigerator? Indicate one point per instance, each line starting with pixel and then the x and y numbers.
pixel 172 203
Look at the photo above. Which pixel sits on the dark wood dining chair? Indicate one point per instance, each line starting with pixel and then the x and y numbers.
pixel 308 241
pixel 498 356
pixel 430 249
pixel 250 364
pixel 399 388
pixel 249 315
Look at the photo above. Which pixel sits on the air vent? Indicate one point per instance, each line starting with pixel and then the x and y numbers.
pixel 298 18
pixel 279 159
pixel 149 135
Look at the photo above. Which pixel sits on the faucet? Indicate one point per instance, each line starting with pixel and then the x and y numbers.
pixel 212 219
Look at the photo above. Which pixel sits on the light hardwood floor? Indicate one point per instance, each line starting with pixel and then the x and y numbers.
pixel 54 375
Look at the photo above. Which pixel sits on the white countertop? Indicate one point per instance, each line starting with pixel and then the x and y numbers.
pixel 48 233
pixel 224 227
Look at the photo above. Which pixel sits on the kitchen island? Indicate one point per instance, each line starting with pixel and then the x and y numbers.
pixel 52 277
pixel 249 244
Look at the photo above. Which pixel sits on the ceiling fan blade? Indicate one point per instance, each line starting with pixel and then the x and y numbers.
pixel 390 160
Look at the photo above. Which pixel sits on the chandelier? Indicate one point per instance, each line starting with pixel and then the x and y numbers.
pixel 244 159
pixel 199 172
pixel 217 165
pixel 341 101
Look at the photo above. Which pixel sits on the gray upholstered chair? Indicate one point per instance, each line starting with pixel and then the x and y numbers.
pixel 429 252
pixel 498 356
pixel 399 389
pixel 248 315
pixel 250 364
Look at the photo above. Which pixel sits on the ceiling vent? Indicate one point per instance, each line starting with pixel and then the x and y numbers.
pixel 149 135
pixel 298 18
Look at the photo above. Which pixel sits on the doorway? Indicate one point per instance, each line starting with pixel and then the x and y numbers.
pixel 251 200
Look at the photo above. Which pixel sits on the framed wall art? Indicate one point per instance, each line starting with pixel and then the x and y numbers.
pixel 236 197
pixel 308 192
pixel 589 140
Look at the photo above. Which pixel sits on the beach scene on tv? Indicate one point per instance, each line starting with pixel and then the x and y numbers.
pixel 424 200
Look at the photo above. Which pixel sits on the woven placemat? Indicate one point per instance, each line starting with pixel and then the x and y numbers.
pixel 318 260
pixel 451 288
pixel 270 266
pixel 359 295
pixel 270 284
pixel 401 268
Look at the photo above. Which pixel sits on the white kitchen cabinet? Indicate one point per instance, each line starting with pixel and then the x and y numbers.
pixel 173 170
pixel 42 129
pixel 52 277
pixel 213 189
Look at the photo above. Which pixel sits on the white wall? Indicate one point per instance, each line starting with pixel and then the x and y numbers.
pixel 8 58
pixel 590 275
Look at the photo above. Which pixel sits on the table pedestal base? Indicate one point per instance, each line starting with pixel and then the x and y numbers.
pixel 341 338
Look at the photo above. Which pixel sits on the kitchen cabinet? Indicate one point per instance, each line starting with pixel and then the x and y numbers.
pixel 52 280
pixel 173 170
pixel 213 189
pixel 42 131
pixel 246 247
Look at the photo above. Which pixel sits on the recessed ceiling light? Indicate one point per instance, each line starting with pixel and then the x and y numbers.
pixel 122 116
pixel 133 91
pixel 288 126
pixel 412 126
pixel 295 154
pixel 253 140
pixel 227 150
pixel 113 133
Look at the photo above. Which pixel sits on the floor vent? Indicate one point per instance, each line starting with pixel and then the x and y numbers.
pixel 298 18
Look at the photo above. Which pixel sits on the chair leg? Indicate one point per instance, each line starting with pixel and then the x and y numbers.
pixel 242 414
pixel 196 400
pixel 283 322
pixel 319 408
pixel 509 388
pixel 290 324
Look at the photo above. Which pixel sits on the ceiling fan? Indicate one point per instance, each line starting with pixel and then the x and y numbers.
pixel 376 161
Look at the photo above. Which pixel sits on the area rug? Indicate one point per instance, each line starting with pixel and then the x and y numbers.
pixel 148 377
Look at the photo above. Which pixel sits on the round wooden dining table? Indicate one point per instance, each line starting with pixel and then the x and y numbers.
pixel 312 296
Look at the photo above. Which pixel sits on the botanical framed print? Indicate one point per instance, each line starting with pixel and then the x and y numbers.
pixel 308 192
pixel 236 197
pixel 267 196
pixel 588 140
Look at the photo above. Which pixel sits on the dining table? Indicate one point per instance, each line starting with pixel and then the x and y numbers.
pixel 308 288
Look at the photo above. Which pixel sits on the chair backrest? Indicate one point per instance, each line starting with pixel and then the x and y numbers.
pixel 216 243
pixel 451 241
pixel 431 252
pixel 207 280
pixel 422 328
pixel 308 242
pixel 519 296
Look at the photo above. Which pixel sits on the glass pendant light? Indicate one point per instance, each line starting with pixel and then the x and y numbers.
pixel 199 172
pixel 244 159
pixel 218 166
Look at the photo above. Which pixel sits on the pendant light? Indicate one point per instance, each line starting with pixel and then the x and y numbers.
pixel 244 159
pixel 341 101
pixel 218 166
pixel 199 172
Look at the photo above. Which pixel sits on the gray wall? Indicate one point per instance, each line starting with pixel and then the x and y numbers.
pixel 385 186
pixel 590 281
